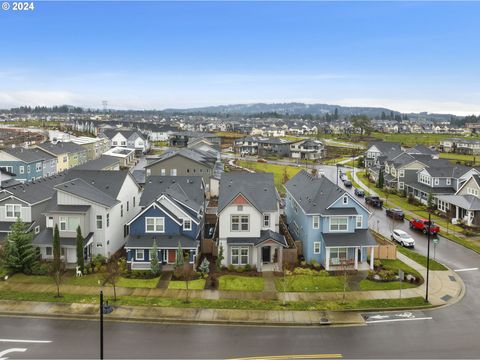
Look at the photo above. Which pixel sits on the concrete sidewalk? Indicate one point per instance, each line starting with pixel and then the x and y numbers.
pixel 182 315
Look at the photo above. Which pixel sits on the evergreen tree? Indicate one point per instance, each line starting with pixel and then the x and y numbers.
pixel 380 179
pixel 57 266
pixel 19 252
pixel 204 267
pixel 154 262
pixel 179 260
pixel 80 259
pixel 218 261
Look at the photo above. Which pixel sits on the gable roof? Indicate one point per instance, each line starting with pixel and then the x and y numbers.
pixel 28 155
pixel 99 164
pixel 82 189
pixel 449 171
pixel 61 148
pixel 127 133
pixel 104 180
pixel 257 188
pixel 314 195
pixel 421 149
pixel 386 147
pixel 199 156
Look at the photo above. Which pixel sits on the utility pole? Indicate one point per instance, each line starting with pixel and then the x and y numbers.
pixel 101 324
pixel 428 255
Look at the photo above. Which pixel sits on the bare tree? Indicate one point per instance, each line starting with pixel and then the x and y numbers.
pixel 115 268
pixel 186 272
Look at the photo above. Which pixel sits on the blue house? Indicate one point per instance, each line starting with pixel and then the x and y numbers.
pixel 331 223
pixel 27 164
pixel 173 209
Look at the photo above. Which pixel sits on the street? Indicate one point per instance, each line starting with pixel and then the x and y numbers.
pixel 449 332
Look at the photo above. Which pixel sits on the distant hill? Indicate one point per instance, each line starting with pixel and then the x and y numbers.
pixel 285 108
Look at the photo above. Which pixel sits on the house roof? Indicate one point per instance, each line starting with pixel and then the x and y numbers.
pixel 77 209
pixel 139 176
pixel 28 155
pixel 386 147
pixel 361 237
pixel 257 188
pixel 427 189
pixel 99 164
pixel 467 202
pixel 85 190
pixel 265 235
pixel 449 171
pixel 202 157
pixel 421 149
pixel 163 241
pixel 313 194
pixel 104 180
pixel 5 225
pixel 188 190
pixel 45 237
pixel 61 148
pixel 127 133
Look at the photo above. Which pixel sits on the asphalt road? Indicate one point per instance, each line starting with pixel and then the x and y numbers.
pixel 450 332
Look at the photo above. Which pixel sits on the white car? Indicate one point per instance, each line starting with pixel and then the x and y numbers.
pixel 403 238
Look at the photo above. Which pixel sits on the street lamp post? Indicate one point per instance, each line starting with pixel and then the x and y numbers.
pixel 428 256
pixel 101 324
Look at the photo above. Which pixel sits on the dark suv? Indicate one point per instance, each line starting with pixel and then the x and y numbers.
pixel 396 214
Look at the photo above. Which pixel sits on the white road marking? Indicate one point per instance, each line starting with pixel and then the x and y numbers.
pixel 393 320
pixel 379 317
pixel 8 351
pixel 26 341
pixel 468 269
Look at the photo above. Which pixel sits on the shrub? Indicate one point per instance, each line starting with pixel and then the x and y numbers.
pixel 98 263
pixel 231 267
pixel 40 269
pixel 387 275
pixel 311 272
pixel 377 263
pixel 371 274
pixel 240 269
pixel 139 274
pixel 303 263
pixel 315 264
pixel 248 267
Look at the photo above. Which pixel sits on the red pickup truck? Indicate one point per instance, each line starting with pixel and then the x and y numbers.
pixel 422 225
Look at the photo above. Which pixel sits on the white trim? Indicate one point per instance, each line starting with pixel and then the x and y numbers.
pixel 351 198
pixel 338 230
pixel 155 224
pixel 190 227
pixel 361 221
pixel 179 208
pixel 319 244
pixel 155 205
pixel 137 251
pixel 318 222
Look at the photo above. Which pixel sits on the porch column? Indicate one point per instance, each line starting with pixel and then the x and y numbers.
pixel 371 258
pixel 327 259
pixel 456 211
pixel 356 258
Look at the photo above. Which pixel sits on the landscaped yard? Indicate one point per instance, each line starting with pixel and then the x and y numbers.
pixel 460 157
pixel 197 284
pixel 138 283
pixel 395 265
pixel 419 258
pixel 413 139
pixel 240 283
pixel 311 283
pixel 277 170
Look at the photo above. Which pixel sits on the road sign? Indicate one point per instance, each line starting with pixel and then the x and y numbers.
pixel 435 241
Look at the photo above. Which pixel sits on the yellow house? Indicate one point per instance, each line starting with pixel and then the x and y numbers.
pixel 59 152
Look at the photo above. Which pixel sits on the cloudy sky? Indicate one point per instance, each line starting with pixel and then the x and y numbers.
pixel 408 56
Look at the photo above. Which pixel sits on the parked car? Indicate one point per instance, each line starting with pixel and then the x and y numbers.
pixel 347 183
pixel 396 214
pixel 374 201
pixel 402 238
pixel 422 225
pixel 343 177
pixel 359 192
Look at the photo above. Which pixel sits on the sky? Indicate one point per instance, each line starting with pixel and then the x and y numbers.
pixel 407 56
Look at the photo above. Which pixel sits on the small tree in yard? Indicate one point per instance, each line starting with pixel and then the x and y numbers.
pixel 179 260
pixel 154 262
pixel 186 272
pixel 80 259
pixel 380 179
pixel 287 278
pixel 115 268
pixel 218 261
pixel 58 267
pixel 430 203
pixel 19 254
pixel 204 267
pixel 285 176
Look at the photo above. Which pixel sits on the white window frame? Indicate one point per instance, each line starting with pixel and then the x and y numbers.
pixel 99 220
pixel 437 181
pixel 22 169
pixel 448 181
pixel 317 247
pixel 37 229
pixel 345 200
pixel 401 173
pixel 28 169
pixel 158 225
pixel 359 221
pixel 185 227
pixel 38 166
pixel 266 220
pixel 316 222
pixel 108 220
pixel 13 211
pixel 163 172
pixel 46 251
pixel 138 252
pixel 239 255
pixel 239 223
pixel 337 223
pixel 173 172
pixel 63 220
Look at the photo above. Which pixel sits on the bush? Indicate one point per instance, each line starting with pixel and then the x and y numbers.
pixel 139 274
pixel 248 267
pixel 371 274
pixel 231 267
pixel 377 263
pixel 311 272
pixel 303 263
pixel 315 264
pixel 240 269
pixel 40 269
pixel 387 275
pixel 98 263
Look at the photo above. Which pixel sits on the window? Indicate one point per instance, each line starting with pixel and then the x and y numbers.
pixel 69 223
pixel 39 166
pixel 449 181
pixel 149 172
pixel 316 222
pixel 337 255
pixel 154 224
pixel 121 210
pixel 49 222
pixel 128 205
pixel 437 181
pixel 13 211
pixel 65 159
pixel 401 185
pixel 339 223
pixel 8 168
pixel 345 199
pixel 133 201
pixel 316 247
pixel 139 254
pixel 108 219
pixel 472 191
pixel 359 222
pixel 37 229
pixel 28 169
pixel 239 207
pixel 401 173
pixel 99 221
pixel 48 251
pixel 442 206
pixel 22 169
pixel 240 255
pixel 187 224
pixel 266 220
pixel 239 223
pixel 173 172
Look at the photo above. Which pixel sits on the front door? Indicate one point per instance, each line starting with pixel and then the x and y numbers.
pixel 266 254
pixel 172 255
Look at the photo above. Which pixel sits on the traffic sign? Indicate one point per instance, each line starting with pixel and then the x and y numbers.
pixel 436 241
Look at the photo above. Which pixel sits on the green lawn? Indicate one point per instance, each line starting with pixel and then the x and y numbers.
pixel 220 304
pixel 138 283
pixel 198 284
pixel 311 283
pixel 414 139
pixel 369 285
pixel 419 258
pixel 240 283
pixel 277 170
pixel 461 157
pixel 399 265
pixel 31 279
pixel 333 161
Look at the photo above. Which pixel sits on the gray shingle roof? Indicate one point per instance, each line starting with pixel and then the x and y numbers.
pixel 45 237
pixel 257 188
pixel 127 133
pixel 199 156
pixel 265 235
pixel 61 148
pixel 357 238
pixel 163 241
pixel 449 171
pixel 104 180
pixel 29 155
pixel 81 188
pixel 467 202
pixel 99 164
pixel 188 190
pixel 313 194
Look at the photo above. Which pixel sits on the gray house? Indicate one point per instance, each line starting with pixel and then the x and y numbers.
pixel 379 151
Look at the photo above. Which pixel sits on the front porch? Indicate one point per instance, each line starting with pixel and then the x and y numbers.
pixel 349 258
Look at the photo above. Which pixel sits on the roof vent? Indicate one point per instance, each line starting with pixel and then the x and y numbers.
pixel 92 182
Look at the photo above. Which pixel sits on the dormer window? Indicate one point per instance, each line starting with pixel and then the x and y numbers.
pixel 345 200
